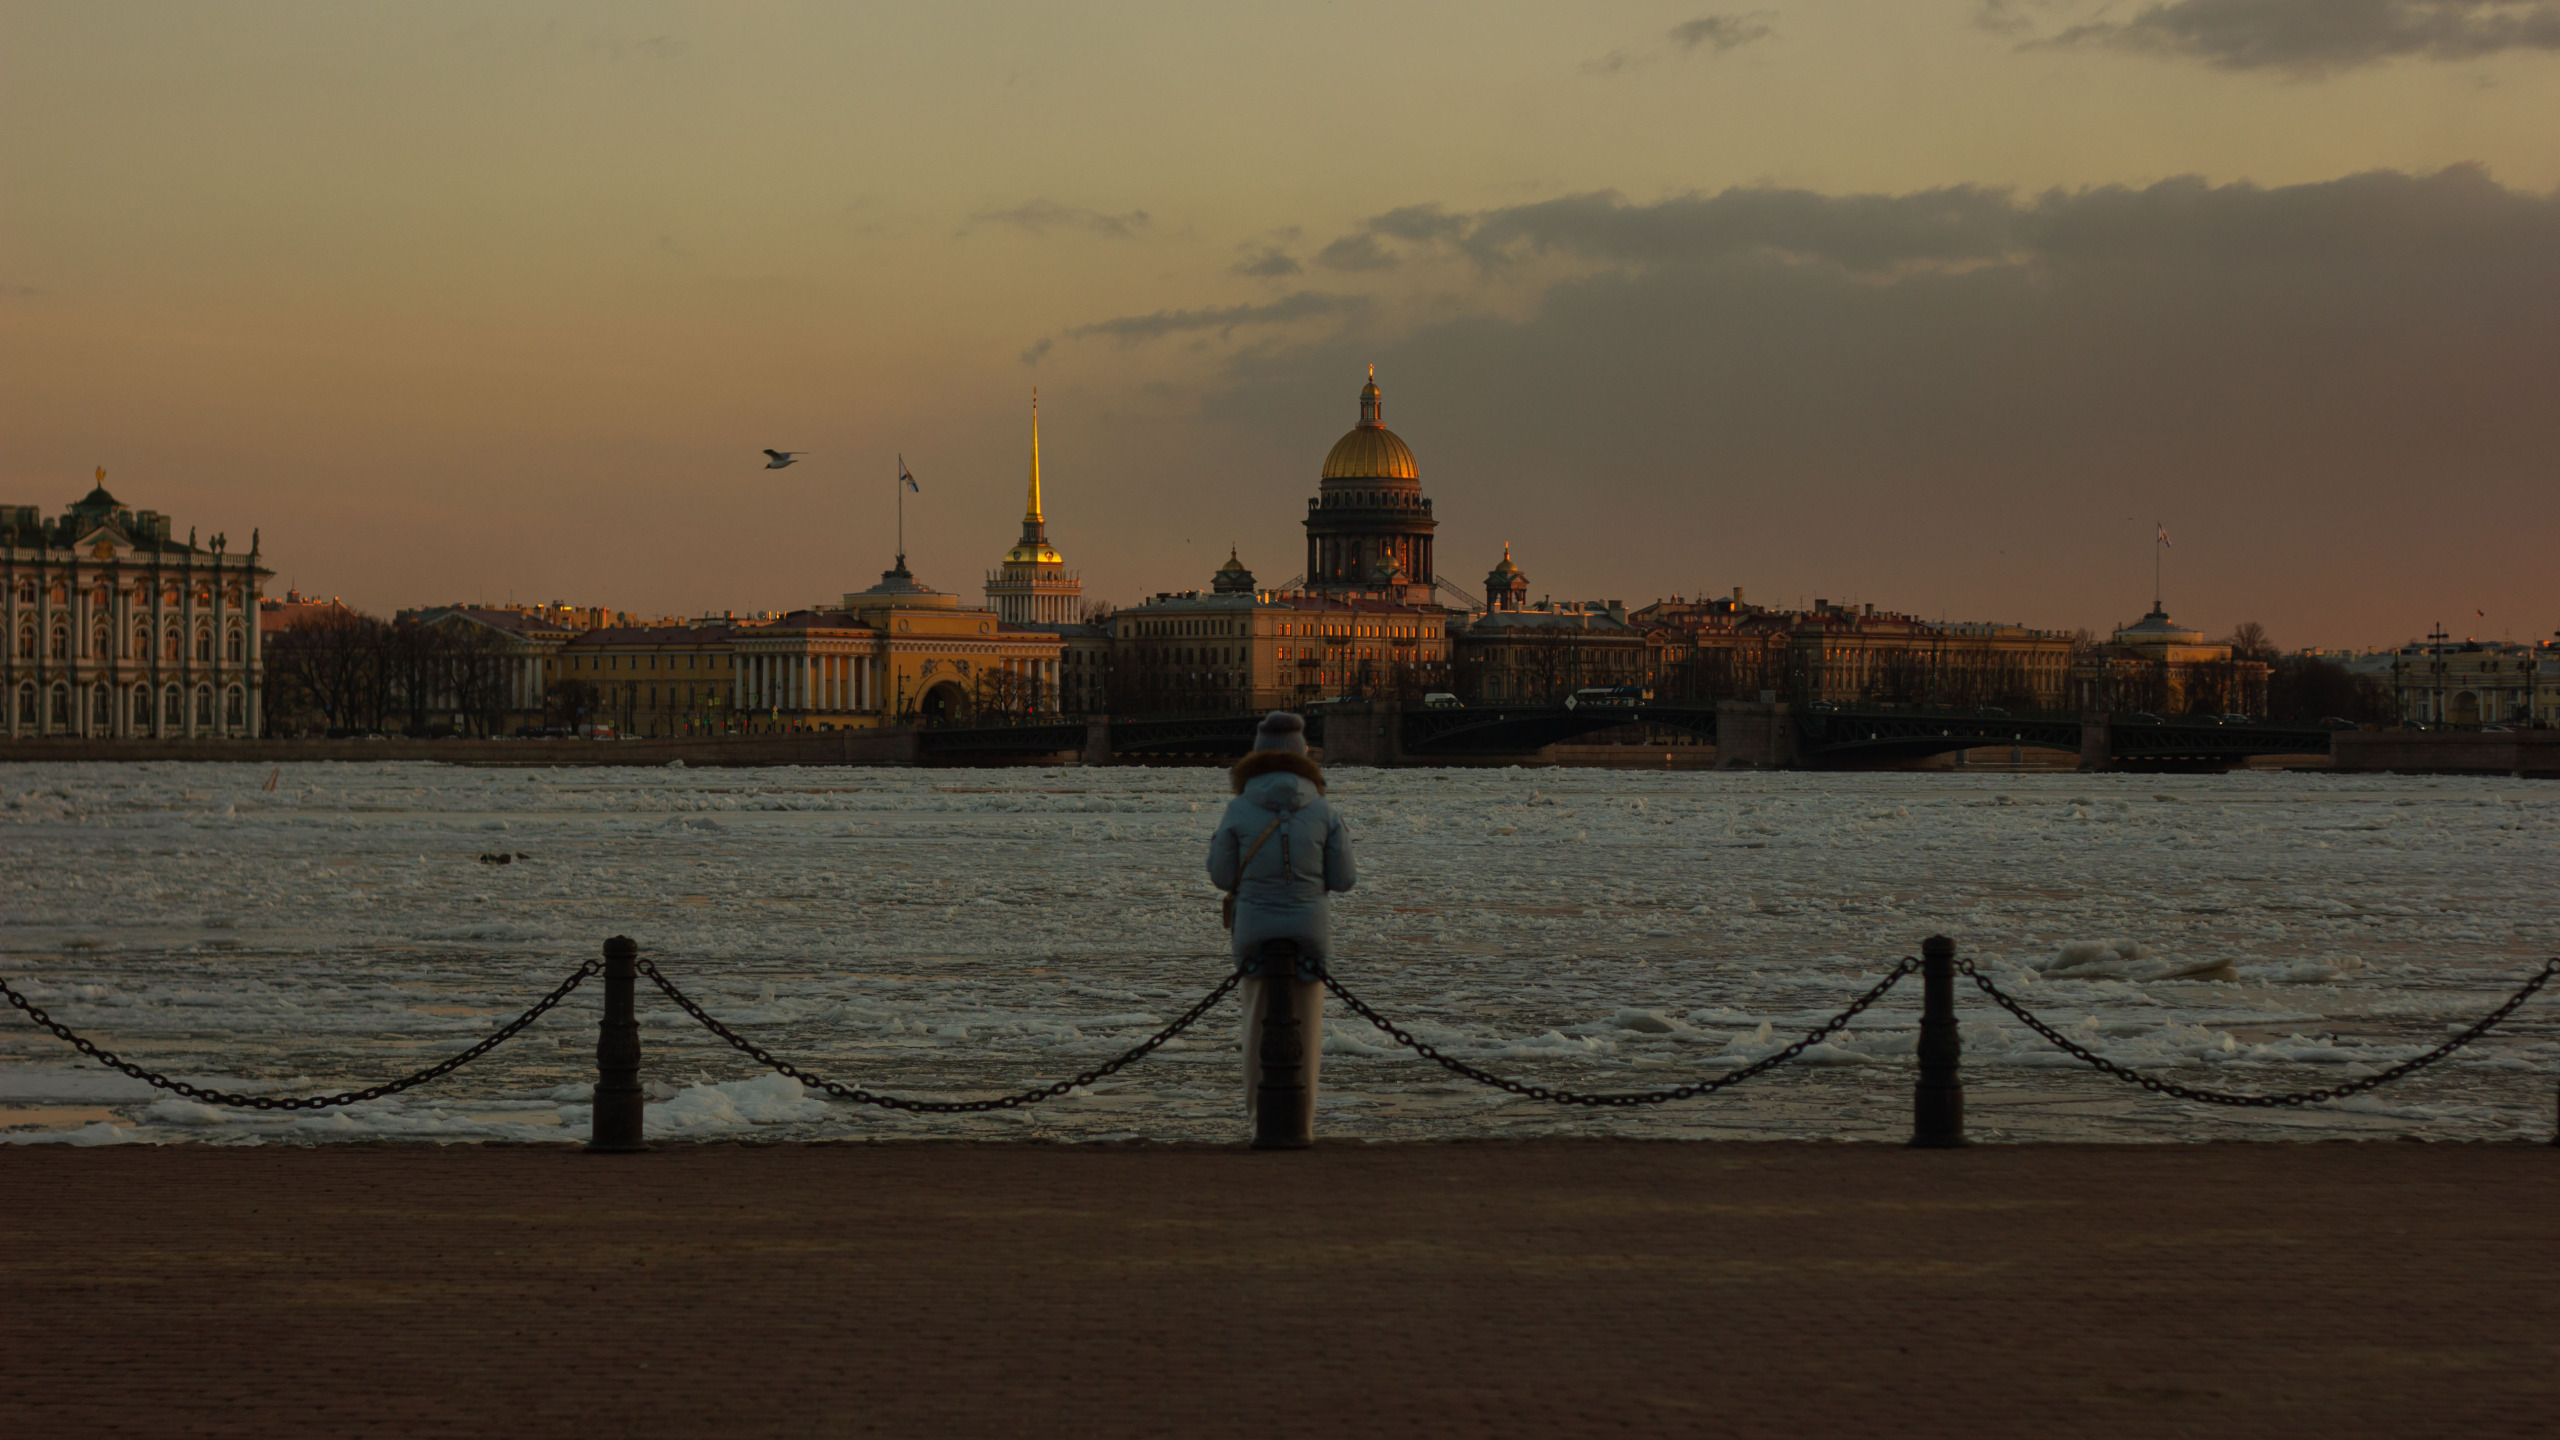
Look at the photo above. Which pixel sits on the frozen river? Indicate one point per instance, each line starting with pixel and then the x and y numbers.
pixel 956 932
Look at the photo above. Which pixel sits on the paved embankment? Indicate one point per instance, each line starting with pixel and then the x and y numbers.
pixel 1555 1288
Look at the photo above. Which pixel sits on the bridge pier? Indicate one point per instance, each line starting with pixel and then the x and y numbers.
pixel 1364 732
pixel 1756 735
pixel 1097 740
pixel 2097 752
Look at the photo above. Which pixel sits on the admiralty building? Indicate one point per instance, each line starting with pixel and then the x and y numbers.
pixel 118 628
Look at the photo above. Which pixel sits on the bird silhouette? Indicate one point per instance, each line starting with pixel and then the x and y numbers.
pixel 776 459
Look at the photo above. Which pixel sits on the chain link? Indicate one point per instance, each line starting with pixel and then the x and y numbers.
pixel 1766 1063
pixel 861 1096
pixel 2216 1097
pixel 441 1068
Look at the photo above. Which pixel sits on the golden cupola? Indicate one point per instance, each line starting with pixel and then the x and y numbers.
pixel 1371 451
pixel 1369 525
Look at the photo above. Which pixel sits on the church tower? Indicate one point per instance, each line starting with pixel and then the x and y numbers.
pixel 1034 586
pixel 1369 527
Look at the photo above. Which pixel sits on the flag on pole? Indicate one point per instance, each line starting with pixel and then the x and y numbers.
pixel 906 479
pixel 2164 537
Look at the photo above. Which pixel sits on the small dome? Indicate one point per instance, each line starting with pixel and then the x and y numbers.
pixel 1371 451
pixel 1506 570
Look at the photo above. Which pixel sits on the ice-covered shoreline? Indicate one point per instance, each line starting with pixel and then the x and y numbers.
pixel 953 931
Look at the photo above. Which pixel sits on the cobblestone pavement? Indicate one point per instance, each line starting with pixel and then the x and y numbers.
pixel 1530 1288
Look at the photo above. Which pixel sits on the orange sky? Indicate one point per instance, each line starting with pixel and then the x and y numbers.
pixel 1902 301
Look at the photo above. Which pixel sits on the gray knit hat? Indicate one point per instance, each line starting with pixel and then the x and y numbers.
pixel 1281 730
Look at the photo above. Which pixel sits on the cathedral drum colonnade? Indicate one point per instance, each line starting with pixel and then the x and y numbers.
pixel 116 629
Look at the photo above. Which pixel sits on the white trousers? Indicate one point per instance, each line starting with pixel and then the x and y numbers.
pixel 1306 999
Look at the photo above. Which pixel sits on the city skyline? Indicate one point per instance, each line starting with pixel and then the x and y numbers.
pixel 504 302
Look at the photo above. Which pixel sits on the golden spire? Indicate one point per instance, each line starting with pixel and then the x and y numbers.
pixel 1372 407
pixel 1031 515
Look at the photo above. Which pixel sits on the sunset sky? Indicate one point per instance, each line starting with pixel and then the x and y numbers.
pixel 1936 304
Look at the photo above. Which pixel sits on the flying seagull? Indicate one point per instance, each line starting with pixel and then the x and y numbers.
pixel 776 459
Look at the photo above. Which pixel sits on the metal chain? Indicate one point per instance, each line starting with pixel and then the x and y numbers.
pixel 2217 1097
pixel 441 1068
pixel 1766 1063
pixel 861 1096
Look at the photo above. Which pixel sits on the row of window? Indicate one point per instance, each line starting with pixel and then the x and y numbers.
pixel 170 595
pixel 614 662
pixel 235 643
pixel 1307 628
pixel 171 700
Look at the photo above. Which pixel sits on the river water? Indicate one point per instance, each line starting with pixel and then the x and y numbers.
pixel 950 933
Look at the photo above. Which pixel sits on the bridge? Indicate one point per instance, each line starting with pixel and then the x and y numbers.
pixel 1747 734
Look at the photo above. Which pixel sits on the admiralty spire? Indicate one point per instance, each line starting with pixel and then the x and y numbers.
pixel 1034 587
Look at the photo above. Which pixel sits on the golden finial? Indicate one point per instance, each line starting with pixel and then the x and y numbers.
pixel 102 476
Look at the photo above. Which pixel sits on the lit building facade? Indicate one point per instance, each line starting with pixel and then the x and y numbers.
pixel 2476 682
pixel 117 628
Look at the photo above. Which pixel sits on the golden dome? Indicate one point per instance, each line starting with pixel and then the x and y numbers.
pixel 1371 451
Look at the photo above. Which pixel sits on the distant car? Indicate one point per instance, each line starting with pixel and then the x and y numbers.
pixel 2338 722
pixel 2236 720
pixel 2143 716
pixel 1822 705
pixel 1442 700
pixel 2495 730
pixel 1990 710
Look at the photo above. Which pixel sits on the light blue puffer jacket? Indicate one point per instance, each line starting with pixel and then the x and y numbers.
pixel 1284 892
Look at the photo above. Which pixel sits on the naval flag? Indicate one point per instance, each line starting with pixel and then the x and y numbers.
pixel 906 479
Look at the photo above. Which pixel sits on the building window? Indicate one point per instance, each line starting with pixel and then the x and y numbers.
pixel 204 707
pixel 26 705
pixel 27 596
pixel 204 643
pixel 141 708
pixel 235 707
pixel 102 714
pixel 141 642
pixel 61 642
pixel 26 642
pixel 61 707
pixel 169 645
pixel 234 647
pixel 98 643
pixel 173 712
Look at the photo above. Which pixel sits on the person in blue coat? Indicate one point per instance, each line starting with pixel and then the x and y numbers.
pixel 1282 852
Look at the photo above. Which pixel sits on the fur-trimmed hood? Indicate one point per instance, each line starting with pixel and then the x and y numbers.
pixel 1276 762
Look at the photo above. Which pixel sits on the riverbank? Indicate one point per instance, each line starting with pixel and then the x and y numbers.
pixel 1549 1288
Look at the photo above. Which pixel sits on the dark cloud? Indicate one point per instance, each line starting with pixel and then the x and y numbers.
pixel 1950 399
pixel 1355 253
pixel 1224 319
pixel 1719 33
pixel 2314 37
pixel 1039 348
pixel 1863 232
pixel 1039 217
pixel 1272 261
pixel 1417 222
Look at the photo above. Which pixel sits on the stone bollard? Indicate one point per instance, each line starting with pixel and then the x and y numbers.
pixel 1283 1093
pixel 619 1115
pixel 1937 1103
